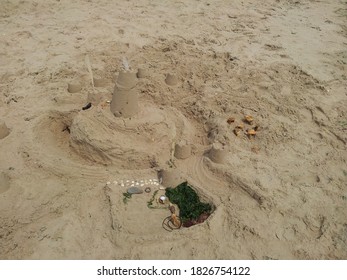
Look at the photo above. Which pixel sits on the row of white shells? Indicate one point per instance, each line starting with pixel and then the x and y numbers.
pixel 135 183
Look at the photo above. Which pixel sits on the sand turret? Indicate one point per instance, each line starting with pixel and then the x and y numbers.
pixel 217 153
pixel 4 131
pixel 125 97
pixel 182 150
pixel 170 178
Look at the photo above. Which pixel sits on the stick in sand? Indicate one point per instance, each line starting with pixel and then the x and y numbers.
pixel 87 61
pixel 126 64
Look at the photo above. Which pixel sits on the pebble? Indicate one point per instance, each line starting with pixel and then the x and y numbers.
pixel 134 190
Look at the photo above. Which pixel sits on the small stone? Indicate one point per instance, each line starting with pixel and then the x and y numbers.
pixel 148 190
pixel 134 190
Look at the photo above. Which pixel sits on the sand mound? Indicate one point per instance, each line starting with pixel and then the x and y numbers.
pixel 128 143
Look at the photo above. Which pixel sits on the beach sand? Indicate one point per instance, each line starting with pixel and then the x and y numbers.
pixel 281 194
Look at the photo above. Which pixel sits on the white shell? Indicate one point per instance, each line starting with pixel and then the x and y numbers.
pixel 162 198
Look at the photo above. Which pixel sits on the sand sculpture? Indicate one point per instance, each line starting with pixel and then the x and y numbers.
pixel 4 183
pixel 217 153
pixel 170 178
pixel 74 87
pixel 125 97
pixel 4 130
pixel 99 81
pixel 171 79
pixel 141 73
pixel 182 150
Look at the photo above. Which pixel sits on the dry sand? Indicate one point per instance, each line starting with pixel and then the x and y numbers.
pixel 278 195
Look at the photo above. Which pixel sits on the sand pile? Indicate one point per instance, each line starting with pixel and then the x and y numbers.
pixel 248 107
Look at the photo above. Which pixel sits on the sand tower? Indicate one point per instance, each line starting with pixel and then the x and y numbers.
pixel 125 97
pixel 171 79
pixel 182 150
pixel 217 153
pixel 4 131
pixel 170 178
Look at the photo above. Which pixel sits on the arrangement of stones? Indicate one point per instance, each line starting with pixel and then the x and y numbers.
pixel 135 186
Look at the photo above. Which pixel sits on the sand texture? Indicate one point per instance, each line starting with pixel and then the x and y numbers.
pixel 277 183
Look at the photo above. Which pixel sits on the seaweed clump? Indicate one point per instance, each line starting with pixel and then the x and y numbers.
pixel 192 210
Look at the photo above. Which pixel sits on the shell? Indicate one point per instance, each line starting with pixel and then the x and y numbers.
pixel 175 220
pixel 230 120
pixel 251 132
pixel 249 119
pixel 162 199
pixel 148 190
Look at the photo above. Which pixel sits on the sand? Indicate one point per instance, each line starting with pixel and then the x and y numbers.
pixel 280 194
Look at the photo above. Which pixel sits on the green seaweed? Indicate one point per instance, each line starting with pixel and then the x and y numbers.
pixel 187 201
pixel 126 197
pixel 150 202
